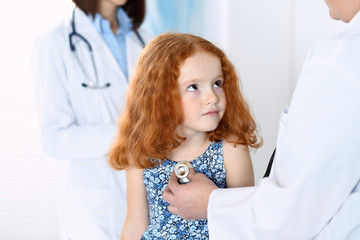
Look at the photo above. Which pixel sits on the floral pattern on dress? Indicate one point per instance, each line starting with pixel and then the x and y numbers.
pixel 164 225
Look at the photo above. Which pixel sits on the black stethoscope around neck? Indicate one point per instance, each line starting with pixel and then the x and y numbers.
pixel 91 84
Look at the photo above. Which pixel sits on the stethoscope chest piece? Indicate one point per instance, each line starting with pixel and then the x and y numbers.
pixel 182 171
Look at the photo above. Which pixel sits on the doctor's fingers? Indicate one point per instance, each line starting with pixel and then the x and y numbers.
pixel 175 202
pixel 168 194
pixel 173 187
pixel 192 173
pixel 173 210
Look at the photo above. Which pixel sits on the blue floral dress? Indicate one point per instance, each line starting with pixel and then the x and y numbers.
pixel 163 224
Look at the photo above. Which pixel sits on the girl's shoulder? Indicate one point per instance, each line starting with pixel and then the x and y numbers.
pixel 238 165
pixel 234 151
pixel 230 146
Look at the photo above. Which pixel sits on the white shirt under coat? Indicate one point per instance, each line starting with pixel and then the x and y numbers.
pixel 313 190
pixel 78 125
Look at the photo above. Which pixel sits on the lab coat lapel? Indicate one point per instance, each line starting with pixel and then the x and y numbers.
pixel 133 51
pixel 102 52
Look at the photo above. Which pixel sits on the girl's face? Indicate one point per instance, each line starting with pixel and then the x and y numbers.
pixel 203 97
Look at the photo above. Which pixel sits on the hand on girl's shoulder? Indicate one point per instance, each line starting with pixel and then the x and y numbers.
pixel 238 165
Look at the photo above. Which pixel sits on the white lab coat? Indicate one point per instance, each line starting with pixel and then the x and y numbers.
pixel 78 125
pixel 313 190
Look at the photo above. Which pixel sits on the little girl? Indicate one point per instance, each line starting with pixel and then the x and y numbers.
pixel 184 104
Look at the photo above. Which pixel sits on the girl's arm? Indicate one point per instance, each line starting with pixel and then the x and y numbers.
pixel 136 220
pixel 238 166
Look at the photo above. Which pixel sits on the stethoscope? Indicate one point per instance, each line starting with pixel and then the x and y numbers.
pixel 90 84
pixel 182 170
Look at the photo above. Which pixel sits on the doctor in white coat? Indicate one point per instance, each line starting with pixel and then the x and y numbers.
pixel 313 191
pixel 82 69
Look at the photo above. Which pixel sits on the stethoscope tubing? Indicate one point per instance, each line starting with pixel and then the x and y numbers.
pixel 90 84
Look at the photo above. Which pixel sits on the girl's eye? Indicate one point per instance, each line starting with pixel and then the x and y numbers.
pixel 219 83
pixel 192 88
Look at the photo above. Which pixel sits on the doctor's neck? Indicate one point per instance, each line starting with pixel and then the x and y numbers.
pixel 109 12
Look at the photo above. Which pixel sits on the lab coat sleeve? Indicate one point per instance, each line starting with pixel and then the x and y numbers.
pixel 61 136
pixel 316 165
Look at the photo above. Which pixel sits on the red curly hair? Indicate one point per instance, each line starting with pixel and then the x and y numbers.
pixel 147 127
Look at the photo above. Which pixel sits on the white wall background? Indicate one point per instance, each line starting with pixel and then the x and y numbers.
pixel 267 41
pixel 261 48
pixel 28 178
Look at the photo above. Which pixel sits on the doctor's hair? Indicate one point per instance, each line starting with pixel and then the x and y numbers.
pixel 135 9
pixel 147 127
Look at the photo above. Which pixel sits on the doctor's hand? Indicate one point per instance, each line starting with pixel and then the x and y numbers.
pixel 190 200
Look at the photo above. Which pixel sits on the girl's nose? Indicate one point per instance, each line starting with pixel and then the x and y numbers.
pixel 211 97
